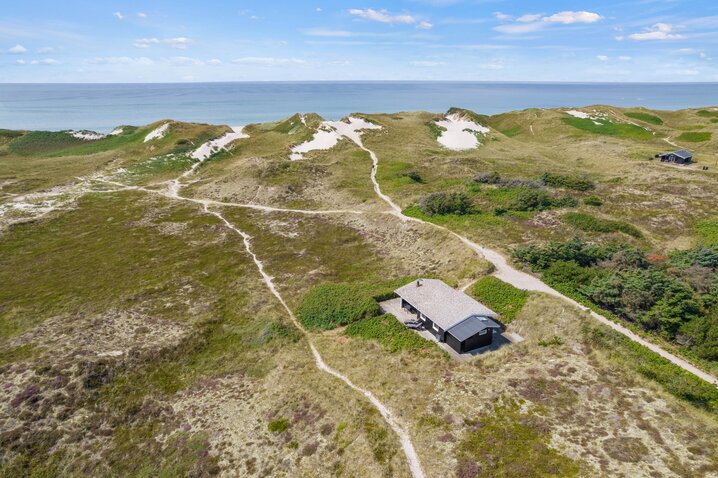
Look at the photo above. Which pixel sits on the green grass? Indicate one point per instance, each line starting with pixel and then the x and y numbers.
pixel 511 132
pixel 43 142
pixel 707 231
pixel 610 128
pixel 327 306
pixel 389 333
pixel 694 136
pixel 589 223
pixel 645 117
pixel 501 297
pixel 508 442
pixel 17 354
pixel 278 425
pixel 707 114
pixel 593 201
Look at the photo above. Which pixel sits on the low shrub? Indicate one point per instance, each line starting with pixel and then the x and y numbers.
pixel 388 332
pixel 589 223
pixel 583 253
pixel 328 306
pixel 540 200
pixel 445 203
pixel 278 425
pixel 567 182
pixel 414 175
pixel 501 297
pixel 593 201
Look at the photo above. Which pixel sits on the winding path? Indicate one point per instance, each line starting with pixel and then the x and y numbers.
pixel 522 280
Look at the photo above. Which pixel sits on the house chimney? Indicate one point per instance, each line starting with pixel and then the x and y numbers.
pixel 418 283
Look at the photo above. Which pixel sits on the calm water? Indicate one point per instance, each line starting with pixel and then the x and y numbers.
pixel 101 107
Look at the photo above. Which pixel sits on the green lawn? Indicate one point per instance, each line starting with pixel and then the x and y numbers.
pixel 694 136
pixel 645 117
pixel 610 128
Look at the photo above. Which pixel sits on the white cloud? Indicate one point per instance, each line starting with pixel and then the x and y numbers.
pixel 142 15
pixel 624 58
pixel 46 61
pixel 17 50
pixel 491 66
pixel 214 62
pixel 180 43
pixel 318 9
pixel 120 60
pixel 118 15
pixel 267 61
pixel 20 62
pixel 502 16
pixel 569 17
pixel 602 57
pixel 382 16
pixel 426 63
pixel 659 31
pixel 425 25
pixel 46 50
pixel 529 17
pixel 532 22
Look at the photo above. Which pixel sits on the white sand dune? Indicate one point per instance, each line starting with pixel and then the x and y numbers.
pixel 459 133
pixel 578 114
pixel 158 132
pixel 215 145
pixel 87 135
pixel 117 131
pixel 329 133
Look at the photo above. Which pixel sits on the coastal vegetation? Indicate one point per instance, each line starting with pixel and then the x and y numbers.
pixel 501 297
pixel 645 117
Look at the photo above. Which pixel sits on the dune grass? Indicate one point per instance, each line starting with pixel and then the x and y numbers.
pixel 389 333
pixel 501 297
pixel 610 128
pixel 694 136
pixel 645 117
pixel 589 223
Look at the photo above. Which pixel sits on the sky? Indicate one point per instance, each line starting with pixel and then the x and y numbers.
pixel 275 40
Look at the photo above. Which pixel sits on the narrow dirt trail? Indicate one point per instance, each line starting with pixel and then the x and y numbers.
pixel 406 444
pixel 404 438
pixel 522 280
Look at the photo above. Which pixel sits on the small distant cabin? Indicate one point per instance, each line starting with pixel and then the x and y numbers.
pixel 452 316
pixel 682 156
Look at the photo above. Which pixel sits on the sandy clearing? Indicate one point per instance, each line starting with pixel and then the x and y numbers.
pixel 578 114
pixel 158 132
pixel 87 135
pixel 117 131
pixel 329 133
pixel 215 145
pixel 459 133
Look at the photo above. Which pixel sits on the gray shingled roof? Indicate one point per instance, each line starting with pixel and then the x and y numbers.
pixel 442 304
pixel 472 326
pixel 681 153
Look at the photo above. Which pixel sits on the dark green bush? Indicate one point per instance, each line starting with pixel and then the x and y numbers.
pixel 415 176
pixel 389 332
pixel 567 182
pixel 593 201
pixel 583 253
pixel 278 425
pixel 328 306
pixel 501 297
pixel 445 203
pixel 589 223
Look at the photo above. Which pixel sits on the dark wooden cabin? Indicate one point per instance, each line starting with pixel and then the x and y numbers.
pixel 452 316
pixel 682 156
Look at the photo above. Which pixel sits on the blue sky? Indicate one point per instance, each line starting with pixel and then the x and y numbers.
pixel 492 40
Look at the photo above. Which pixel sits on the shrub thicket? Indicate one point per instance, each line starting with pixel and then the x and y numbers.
pixel 445 203
pixel 593 201
pixel 568 182
pixel 501 297
pixel 328 306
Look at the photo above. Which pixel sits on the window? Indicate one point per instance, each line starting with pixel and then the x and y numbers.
pixel 484 332
pixel 434 326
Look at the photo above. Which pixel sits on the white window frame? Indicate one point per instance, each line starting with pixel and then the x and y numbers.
pixel 434 326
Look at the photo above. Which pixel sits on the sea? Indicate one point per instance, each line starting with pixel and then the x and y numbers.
pixel 102 107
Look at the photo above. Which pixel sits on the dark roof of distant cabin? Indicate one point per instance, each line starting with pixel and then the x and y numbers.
pixel 443 305
pixel 681 153
pixel 472 326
